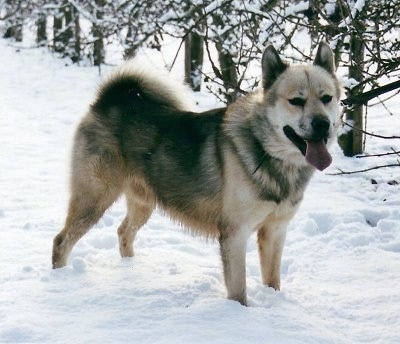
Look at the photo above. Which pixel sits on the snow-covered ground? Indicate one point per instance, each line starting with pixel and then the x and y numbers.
pixel 341 264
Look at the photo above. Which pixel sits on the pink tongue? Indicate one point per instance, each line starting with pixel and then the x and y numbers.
pixel 317 155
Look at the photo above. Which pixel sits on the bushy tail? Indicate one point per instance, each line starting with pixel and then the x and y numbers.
pixel 137 79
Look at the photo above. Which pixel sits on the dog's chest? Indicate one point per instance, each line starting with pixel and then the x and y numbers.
pixel 249 201
pixel 245 209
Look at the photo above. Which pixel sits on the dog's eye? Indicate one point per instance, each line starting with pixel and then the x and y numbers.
pixel 326 99
pixel 297 101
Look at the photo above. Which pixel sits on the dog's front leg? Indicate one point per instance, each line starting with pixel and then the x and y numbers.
pixel 271 239
pixel 233 254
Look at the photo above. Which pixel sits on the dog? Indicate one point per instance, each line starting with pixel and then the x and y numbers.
pixel 224 173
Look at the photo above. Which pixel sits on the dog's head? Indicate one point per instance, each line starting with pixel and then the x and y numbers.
pixel 303 104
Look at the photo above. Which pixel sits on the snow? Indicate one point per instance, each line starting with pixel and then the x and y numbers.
pixel 359 5
pixel 340 268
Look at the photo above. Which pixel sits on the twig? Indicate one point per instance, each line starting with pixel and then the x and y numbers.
pixel 370 134
pixel 365 170
pixel 378 155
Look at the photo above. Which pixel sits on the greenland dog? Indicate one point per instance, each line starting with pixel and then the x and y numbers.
pixel 225 173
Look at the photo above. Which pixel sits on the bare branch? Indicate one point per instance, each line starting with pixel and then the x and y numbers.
pixel 364 170
pixel 378 155
pixel 370 134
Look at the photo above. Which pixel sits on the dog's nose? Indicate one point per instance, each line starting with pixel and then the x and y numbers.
pixel 320 126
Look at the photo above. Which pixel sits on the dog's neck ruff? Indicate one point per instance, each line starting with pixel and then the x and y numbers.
pixel 275 179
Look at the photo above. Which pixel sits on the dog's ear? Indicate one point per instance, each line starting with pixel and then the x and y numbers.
pixel 272 66
pixel 324 57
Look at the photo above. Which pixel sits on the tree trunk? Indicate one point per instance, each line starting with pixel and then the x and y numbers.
pixel 352 142
pixel 229 74
pixel 71 36
pixel 41 29
pixel 98 45
pixel 57 30
pixel 228 67
pixel 193 60
pixel 77 35
pixel 130 49
pixel 68 33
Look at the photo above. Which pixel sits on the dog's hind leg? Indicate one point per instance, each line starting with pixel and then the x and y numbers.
pixel 94 188
pixel 140 206
pixel 271 239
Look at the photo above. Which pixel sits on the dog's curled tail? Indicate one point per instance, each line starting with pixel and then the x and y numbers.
pixel 139 80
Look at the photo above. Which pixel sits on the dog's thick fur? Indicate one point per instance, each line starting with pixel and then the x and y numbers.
pixel 224 173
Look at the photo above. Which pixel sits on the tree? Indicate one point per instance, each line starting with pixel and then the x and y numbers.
pixel 41 28
pixel 194 51
pixel 366 42
pixel 13 17
pixel 229 34
pixel 66 31
pixel 97 32
pixel 352 142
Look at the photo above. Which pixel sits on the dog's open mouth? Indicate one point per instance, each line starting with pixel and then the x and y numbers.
pixel 315 151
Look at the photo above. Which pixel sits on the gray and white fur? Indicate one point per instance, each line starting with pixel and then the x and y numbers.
pixel 225 173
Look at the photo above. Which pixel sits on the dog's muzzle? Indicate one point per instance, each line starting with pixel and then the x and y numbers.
pixel 313 147
pixel 320 128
